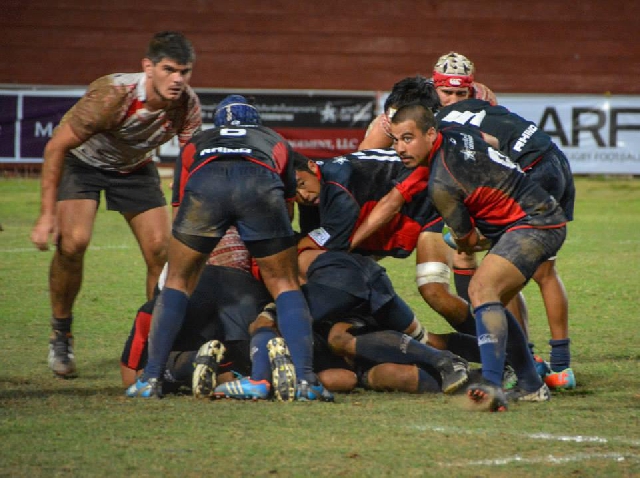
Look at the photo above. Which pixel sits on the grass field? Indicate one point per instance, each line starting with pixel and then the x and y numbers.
pixel 86 427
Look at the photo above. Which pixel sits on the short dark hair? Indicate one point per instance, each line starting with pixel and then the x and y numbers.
pixel 422 116
pixel 171 45
pixel 300 162
pixel 413 89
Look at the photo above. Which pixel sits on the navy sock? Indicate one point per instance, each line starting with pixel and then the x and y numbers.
pixel 396 347
pixel 260 365
pixel 395 315
pixel 466 346
pixel 520 356
pixel 491 324
pixel 427 383
pixel 294 323
pixel 168 316
pixel 560 356
pixel 461 279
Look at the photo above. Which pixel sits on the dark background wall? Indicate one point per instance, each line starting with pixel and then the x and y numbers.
pixel 540 46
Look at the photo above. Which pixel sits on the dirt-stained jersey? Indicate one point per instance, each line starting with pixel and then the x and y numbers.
pixel 473 185
pixel 118 130
pixel 352 185
pixel 520 139
pixel 258 144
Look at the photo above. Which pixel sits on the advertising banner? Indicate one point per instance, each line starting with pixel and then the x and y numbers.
pixel 599 133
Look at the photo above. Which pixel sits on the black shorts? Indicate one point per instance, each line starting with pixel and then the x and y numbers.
pixel 240 193
pixel 527 248
pixel 137 191
pixel 553 173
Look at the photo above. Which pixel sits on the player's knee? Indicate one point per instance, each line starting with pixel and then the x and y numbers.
pixel 342 342
pixel 73 246
pixel 338 379
pixel 393 377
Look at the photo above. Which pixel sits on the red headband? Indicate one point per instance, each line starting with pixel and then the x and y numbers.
pixel 455 81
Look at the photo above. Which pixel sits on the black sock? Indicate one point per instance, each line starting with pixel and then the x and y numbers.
pixel 468 326
pixel 396 347
pixel 62 326
pixel 464 345
pixel 461 279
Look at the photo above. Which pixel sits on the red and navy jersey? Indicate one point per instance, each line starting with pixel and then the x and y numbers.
pixel 352 185
pixel 472 184
pixel 520 139
pixel 258 144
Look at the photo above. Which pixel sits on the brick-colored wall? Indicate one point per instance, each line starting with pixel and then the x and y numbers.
pixel 542 46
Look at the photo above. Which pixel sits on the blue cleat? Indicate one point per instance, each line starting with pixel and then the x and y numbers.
pixel 542 366
pixel 306 392
pixel 283 373
pixel 243 389
pixel 152 388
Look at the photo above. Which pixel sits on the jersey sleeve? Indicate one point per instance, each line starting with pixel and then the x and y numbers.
pixel 181 170
pixel 101 108
pixel 411 184
pixel 193 121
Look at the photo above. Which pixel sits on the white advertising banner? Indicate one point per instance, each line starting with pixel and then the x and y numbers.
pixel 599 134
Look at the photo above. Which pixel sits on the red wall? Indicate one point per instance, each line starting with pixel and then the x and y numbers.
pixel 541 46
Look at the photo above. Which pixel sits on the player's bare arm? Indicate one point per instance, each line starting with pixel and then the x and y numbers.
pixel 63 140
pixel 381 214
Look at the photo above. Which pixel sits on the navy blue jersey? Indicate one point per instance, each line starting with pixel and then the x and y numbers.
pixel 520 139
pixel 352 185
pixel 472 184
pixel 258 144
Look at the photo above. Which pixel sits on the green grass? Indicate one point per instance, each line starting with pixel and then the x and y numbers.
pixel 86 427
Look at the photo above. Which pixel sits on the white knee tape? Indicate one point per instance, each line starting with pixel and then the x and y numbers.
pixel 429 272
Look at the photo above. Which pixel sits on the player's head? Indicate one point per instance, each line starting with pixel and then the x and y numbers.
pixel 307 181
pixel 172 46
pixel 413 89
pixel 168 66
pixel 453 78
pixel 414 132
pixel 235 110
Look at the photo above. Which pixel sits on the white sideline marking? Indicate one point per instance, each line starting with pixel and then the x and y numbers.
pixel 545 459
pixel 33 249
pixel 534 436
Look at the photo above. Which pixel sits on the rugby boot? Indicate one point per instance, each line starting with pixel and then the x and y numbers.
pixel 542 366
pixel 62 361
pixel 206 364
pixel 151 388
pixel 283 373
pixel 243 389
pixel 307 392
pixel 564 380
pixel 518 394
pixel 454 372
pixel 485 396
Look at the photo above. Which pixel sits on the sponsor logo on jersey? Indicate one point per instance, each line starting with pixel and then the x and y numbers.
pixel 223 150
pixel 320 236
pixel 522 140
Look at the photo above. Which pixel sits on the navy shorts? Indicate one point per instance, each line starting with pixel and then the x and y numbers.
pixel 137 191
pixel 234 192
pixel 553 173
pixel 527 248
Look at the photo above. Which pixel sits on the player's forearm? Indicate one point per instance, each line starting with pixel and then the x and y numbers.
pixel 51 174
pixel 380 215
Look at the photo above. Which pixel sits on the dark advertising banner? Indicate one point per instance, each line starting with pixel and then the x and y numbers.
pixel 316 125
pixel 319 125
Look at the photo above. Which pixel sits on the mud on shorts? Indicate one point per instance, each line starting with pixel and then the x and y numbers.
pixel 527 248
pixel 234 192
pixel 137 191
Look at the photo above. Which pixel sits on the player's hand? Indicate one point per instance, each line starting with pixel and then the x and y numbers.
pixel 45 226
pixel 474 242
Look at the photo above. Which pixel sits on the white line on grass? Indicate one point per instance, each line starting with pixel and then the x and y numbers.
pixel 91 248
pixel 619 457
pixel 534 436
